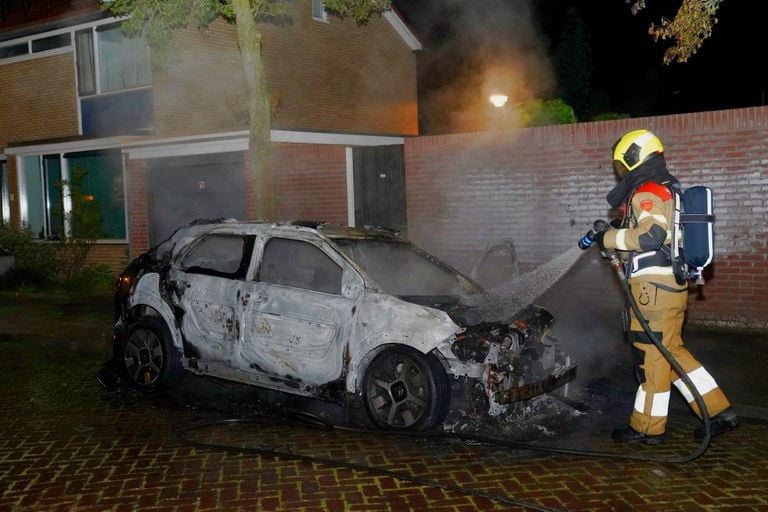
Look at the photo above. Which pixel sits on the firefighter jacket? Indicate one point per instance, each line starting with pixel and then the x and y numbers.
pixel 645 234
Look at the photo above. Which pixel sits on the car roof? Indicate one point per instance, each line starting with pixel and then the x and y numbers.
pixel 330 231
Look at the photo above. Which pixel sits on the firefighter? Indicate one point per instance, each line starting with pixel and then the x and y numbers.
pixel 645 196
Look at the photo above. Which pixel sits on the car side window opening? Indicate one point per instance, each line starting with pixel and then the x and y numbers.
pixel 221 256
pixel 300 265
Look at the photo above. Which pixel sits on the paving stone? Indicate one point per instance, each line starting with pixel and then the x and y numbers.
pixel 88 450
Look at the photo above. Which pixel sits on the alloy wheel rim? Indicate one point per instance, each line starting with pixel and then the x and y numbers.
pixel 143 357
pixel 398 391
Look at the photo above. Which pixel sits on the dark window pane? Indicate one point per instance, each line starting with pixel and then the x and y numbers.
pixel 33 186
pixel 14 51
pixel 220 255
pixel 86 73
pixel 53 195
pixel 300 265
pixel 50 43
pixel 102 184
pixel 126 113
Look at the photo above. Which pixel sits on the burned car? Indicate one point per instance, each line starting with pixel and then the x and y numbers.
pixel 335 313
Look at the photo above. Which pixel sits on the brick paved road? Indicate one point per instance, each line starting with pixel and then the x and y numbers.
pixel 66 445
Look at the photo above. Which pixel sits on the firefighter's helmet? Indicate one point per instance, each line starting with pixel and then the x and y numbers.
pixel 634 148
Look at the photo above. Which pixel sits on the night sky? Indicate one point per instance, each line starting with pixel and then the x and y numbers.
pixel 626 74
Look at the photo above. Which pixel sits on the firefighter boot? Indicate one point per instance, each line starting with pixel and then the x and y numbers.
pixel 720 424
pixel 629 435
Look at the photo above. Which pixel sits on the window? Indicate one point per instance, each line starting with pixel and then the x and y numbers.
pixel 300 265
pixel 109 61
pixel 36 45
pixel 51 43
pixel 102 183
pixel 5 207
pixel 57 189
pixel 6 52
pixel 113 75
pixel 33 199
pixel 220 255
pixel 318 10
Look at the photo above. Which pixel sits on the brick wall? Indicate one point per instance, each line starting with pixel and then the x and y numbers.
pixel 38 99
pixel 115 256
pixel 543 187
pixel 42 12
pixel 331 76
pixel 310 182
pixel 338 76
pixel 138 206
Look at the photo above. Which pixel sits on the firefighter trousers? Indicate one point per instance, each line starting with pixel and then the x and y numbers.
pixel 664 309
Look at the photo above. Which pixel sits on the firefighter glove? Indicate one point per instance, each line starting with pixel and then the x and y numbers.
pixel 598 237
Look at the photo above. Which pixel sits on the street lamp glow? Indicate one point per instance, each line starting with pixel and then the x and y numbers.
pixel 498 100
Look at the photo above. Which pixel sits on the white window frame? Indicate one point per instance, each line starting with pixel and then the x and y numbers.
pixel 5 200
pixel 36 55
pixel 324 17
pixel 93 27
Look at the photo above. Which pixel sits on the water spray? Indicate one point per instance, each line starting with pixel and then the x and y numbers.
pixel 512 296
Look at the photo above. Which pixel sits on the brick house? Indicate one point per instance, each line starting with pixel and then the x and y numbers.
pixel 161 147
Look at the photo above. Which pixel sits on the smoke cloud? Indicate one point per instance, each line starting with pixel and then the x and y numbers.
pixel 476 49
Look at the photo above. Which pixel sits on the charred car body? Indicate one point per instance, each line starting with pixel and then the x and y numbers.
pixel 336 313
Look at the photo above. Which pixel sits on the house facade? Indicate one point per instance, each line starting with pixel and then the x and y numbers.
pixel 159 147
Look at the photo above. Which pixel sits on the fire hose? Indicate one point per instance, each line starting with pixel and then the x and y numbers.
pixel 618 267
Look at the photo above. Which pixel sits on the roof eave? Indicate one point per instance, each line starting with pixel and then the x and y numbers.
pixel 403 30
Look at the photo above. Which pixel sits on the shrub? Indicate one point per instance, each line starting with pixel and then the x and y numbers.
pixel 548 112
pixel 86 223
pixel 36 262
pixel 90 280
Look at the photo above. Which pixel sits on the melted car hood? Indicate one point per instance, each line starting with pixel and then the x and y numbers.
pixel 462 312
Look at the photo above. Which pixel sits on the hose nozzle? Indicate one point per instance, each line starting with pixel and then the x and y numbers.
pixel 586 241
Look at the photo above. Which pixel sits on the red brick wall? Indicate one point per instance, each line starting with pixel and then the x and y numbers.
pixel 44 12
pixel 138 206
pixel 333 76
pixel 543 187
pixel 310 182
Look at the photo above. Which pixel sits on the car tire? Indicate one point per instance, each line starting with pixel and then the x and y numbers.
pixel 404 389
pixel 148 358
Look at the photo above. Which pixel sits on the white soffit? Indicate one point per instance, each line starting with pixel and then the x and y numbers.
pixel 238 141
pixel 200 144
pixel 402 29
pixel 64 147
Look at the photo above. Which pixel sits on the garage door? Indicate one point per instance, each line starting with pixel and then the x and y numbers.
pixel 183 189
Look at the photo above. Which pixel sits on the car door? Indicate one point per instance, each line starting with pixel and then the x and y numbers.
pixel 298 309
pixel 208 280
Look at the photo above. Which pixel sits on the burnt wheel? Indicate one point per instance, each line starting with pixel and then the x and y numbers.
pixel 406 390
pixel 147 357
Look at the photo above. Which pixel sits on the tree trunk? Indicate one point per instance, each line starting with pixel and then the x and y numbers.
pixel 249 39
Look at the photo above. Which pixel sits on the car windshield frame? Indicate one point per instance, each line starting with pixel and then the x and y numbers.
pixel 366 253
